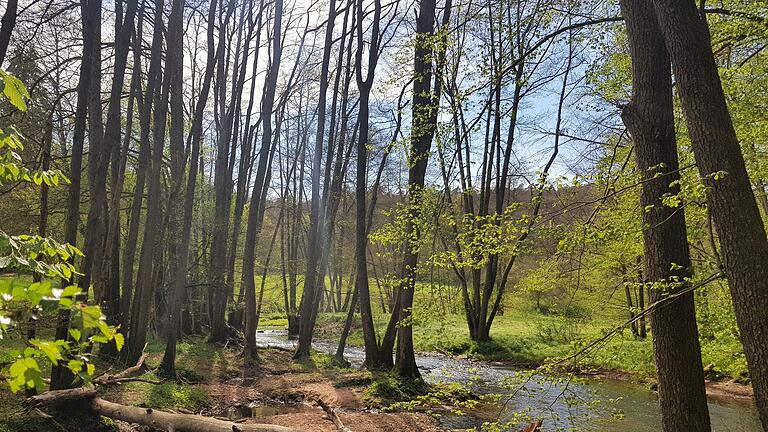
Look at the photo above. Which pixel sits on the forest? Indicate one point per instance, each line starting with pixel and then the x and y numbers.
pixel 383 215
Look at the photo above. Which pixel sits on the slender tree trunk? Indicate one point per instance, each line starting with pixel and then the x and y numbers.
pixel 97 154
pixel 649 118
pixel 257 195
pixel 424 121
pixel 729 193
pixel 144 104
pixel 144 292
pixel 6 27
pixel 62 377
pixel 106 292
pixel 179 291
pixel 315 275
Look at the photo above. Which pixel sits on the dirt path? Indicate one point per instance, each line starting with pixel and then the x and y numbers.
pixel 284 393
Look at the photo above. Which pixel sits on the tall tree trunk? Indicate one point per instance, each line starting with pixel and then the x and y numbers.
pixel 98 161
pixel 6 27
pixel 62 377
pixel 106 292
pixel 650 120
pixel 144 292
pixel 729 193
pixel 255 213
pixel 134 218
pixel 374 359
pixel 315 274
pixel 179 268
pixel 423 124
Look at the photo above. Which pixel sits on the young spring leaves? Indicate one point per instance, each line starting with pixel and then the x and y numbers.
pixel 21 302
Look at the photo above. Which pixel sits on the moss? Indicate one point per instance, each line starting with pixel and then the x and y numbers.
pixel 386 389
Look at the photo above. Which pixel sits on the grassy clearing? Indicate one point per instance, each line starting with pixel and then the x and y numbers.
pixel 526 337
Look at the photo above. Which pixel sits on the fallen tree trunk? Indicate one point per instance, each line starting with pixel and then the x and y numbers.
pixel 172 422
pixel 332 415
pixel 162 420
pixel 54 397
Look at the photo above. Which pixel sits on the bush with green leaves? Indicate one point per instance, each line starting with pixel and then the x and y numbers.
pixel 51 260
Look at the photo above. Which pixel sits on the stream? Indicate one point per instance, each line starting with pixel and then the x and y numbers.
pixel 587 405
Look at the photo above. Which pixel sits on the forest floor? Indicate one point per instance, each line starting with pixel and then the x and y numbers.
pixel 282 392
pixel 212 383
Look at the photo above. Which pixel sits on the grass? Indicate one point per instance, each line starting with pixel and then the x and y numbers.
pixel 526 337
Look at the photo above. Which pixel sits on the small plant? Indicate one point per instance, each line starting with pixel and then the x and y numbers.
pixel 50 259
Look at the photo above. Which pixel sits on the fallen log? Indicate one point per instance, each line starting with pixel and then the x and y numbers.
pixel 127 373
pixel 56 397
pixel 331 413
pixel 162 420
pixel 172 422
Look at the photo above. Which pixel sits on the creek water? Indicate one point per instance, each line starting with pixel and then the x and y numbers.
pixel 565 405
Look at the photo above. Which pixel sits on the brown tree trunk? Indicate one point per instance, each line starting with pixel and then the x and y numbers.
pixel 144 292
pixel 180 212
pixel 6 27
pixel 316 239
pixel 649 118
pixel 62 377
pixel 255 214
pixel 729 194
pixel 424 120
pixel 106 292
pixel 134 217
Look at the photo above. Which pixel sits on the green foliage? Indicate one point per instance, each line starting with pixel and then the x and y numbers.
pixel 438 396
pixel 11 167
pixel 172 395
pixel 386 389
pixel 20 303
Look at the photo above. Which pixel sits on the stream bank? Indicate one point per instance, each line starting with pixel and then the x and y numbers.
pixel 598 403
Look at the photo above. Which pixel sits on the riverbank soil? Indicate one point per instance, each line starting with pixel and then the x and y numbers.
pixel 279 392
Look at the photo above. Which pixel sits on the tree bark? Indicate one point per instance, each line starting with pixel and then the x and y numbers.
pixel 316 239
pixel 106 292
pixel 255 214
pixel 649 118
pixel 729 193
pixel 134 217
pixel 144 292
pixel 426 99
pixel 62 377
pixel 6 27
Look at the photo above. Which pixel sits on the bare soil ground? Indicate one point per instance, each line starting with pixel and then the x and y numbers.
pixel 284 393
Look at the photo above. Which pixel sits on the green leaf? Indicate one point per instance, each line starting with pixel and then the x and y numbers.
pixel 15 91
pixel 75 366
pixel 70 291
pixel 51 349
pixel 25 373
pixel 119 341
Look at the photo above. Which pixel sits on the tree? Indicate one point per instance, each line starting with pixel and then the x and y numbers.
pixel 426 99
pixel 44 257
pixel 258 195
pixel 6 27
pixel 314 279
pixel 374 358
pixel 158 92
pixel 649 118
pixel 721 164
